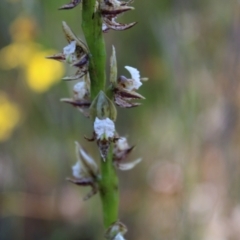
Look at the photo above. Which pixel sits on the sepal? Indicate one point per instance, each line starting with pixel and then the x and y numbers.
pixel 85 171
pixel 113 67
pixel 102 107
pixel 110 9
pixel 70 5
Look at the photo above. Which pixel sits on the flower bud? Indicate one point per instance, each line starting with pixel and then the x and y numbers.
pixel 102 107
pixel 113 67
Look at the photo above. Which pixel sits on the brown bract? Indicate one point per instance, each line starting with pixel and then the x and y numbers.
pixel 110 10
pixel 82 105
pixel 70 5
pixel 110 23
pixel 86 182
pixel 123 98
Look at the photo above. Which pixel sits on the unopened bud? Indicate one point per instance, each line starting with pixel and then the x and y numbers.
pixel 102 107
pixel 113 67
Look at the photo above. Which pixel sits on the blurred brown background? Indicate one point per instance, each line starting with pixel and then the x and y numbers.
pixel 187 130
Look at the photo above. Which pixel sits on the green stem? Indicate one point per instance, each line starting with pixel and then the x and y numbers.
pixel 108 184
pixel 109 190
pixel 92 28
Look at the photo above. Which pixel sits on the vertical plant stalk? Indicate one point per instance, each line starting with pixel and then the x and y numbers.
pixel 108 184
pixel 109 190
pixel 92 28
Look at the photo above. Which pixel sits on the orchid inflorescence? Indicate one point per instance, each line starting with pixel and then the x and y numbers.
pixel 122 91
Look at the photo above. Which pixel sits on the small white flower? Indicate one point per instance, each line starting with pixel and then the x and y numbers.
pixel 133 83
pixel 119 236
pixel 85 166
pixel 122 144
pixel 69 49
pixel 78 170
pixel 80 90
pixel 104 128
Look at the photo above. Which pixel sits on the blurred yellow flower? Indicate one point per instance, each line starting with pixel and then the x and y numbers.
pixel 39 73
pixel 23 29
pixel 17 54
pixel 9 117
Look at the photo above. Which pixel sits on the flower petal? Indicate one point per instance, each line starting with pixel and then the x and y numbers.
pixel 113 67
pixel 128 166
pixel 69 49
pixel 104 128
pixel 80 90
pixel 87 162
pixel 119 236
pixel 79 170
pixel 135 76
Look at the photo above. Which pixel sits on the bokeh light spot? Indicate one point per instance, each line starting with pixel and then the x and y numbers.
pixel 9 117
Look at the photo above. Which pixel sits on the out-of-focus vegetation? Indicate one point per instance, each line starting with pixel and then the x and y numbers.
pixel 187 129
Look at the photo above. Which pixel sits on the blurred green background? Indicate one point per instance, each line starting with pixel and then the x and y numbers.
pixel 187 131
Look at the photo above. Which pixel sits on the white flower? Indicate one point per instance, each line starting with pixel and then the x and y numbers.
pixel 78 170
pixel 80 90
pixel 69 49
pixel 122 144
pixel 104 128
pixel 85 166
pixel 133 83
pixel 119 236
